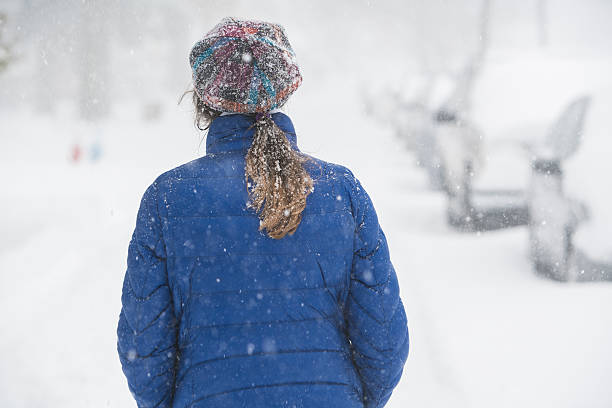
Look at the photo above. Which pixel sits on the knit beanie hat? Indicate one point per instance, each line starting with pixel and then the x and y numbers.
pixel 244 67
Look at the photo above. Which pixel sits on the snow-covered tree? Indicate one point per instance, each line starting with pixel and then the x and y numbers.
pixel 93 64
pixel 5 48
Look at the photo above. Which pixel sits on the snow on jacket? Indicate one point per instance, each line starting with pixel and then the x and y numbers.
pixel 217 314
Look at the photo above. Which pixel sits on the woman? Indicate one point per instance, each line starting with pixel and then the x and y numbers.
pixel 257 276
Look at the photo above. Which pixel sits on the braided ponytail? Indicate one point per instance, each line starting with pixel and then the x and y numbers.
pixel 280 183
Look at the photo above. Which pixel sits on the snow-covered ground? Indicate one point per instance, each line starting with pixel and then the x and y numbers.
pixel 485 331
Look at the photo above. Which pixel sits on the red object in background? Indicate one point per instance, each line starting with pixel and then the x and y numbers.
pixel 76 153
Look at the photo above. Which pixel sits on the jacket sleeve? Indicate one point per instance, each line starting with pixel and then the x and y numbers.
pixel 146 332
pixel 375 316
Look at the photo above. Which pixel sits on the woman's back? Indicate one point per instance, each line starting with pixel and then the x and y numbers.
pixel 216 312
pixel 262 316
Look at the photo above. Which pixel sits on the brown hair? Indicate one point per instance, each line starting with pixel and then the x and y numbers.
pixel 279 182
pixel 204 115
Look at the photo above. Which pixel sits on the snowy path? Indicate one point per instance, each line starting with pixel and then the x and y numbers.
pixel 484 330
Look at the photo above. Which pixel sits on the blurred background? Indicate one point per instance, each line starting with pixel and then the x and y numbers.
pixel 481 129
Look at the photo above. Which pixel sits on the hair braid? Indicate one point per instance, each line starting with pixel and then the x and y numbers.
pixel 280 183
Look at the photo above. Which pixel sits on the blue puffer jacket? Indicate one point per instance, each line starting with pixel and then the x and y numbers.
pixel 217 314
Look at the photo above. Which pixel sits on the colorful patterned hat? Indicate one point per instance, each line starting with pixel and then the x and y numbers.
pixel 244 67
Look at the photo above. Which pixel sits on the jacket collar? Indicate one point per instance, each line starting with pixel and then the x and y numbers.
pixel 233 133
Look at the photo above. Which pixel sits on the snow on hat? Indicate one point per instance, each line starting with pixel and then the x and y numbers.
pixel 244 67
